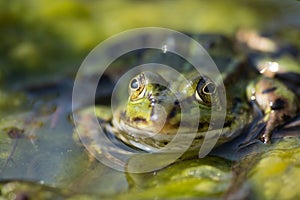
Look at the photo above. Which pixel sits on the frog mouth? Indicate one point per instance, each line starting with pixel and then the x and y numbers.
pixel 142 128
pixel 145 138
pixel 150 141
pixel 164 118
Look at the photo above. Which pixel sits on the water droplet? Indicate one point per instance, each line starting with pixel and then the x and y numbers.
pixel 273 66
pixel 165 48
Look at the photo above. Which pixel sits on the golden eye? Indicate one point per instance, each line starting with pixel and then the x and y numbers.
pixel 137 87
pixel 204 90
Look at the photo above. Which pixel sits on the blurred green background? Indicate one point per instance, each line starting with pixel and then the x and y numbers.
pixel 50 38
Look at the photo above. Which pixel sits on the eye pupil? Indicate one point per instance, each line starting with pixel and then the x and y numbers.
pixel 209 88
pixel 134 84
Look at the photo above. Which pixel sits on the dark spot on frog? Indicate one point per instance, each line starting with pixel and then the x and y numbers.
pixel 160 87
pixel 211 45
pixel 200 137
pixel 14 132
pixel 269 90
pixel 278 104
pixel 286 117
pixel 166 142
pixel 172 113
pixel 176 103
pixel 203 126
pixel 139 119
pixel 227 123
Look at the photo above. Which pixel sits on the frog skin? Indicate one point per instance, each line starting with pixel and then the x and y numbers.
pixel 152 115
pixel 143 118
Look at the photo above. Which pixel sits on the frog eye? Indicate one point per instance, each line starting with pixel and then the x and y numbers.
pixel 137 87
pixel 209 88
pixel 134 84
pixel 204 90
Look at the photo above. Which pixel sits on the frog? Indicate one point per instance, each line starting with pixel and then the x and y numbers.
pixel 150 117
